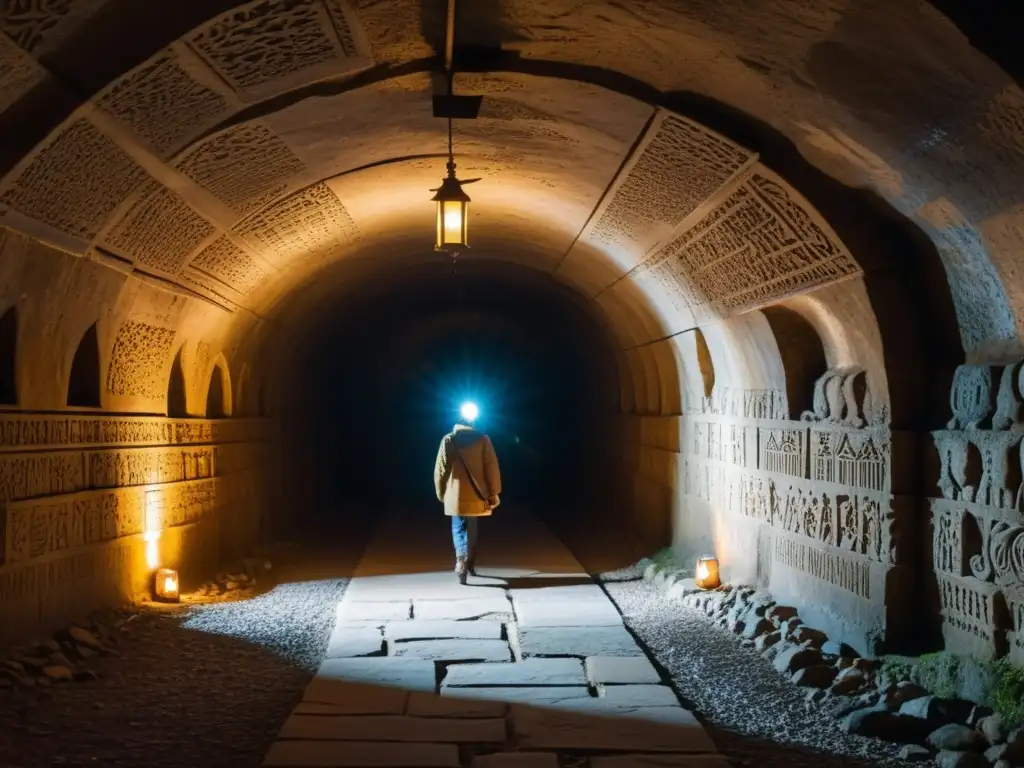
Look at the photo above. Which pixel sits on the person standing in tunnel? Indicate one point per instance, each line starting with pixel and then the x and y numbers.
pixel 468 482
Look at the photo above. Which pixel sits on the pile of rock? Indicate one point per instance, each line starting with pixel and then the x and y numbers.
pixel 65 657
pixel 956 733
pixel 233 582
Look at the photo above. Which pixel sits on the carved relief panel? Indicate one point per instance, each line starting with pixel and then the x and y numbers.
pixel 137 366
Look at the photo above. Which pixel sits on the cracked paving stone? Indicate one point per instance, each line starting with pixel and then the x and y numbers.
pixel 578 641
pixel 451 650
pixel 347 642
pixel 495 608
pixel 441 629
pixel 621 670
pixel 527 672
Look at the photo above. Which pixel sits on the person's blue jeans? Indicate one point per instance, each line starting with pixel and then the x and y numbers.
pixel 464 536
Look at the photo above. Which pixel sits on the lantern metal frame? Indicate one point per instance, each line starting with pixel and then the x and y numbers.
pixel 160 593
pixel 451 192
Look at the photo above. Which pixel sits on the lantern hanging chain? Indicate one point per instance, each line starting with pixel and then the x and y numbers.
pixel 451 153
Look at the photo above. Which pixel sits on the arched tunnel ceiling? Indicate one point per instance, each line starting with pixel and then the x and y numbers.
pixel 229 151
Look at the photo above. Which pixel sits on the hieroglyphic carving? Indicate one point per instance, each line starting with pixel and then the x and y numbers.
pixel 746 403
pixel 25 476
pixel 309 222
pixel 948 539
pixel 245 166
pixel 784 451
pixel 160 230
pixel 225 261
pixel 163 104
pixel 75 182
pixel 141 352
pixel 271 39
pixel 759 245
pixel 972 397
pixel 1015 605
pixel 139 466
pixel 31 22
pixel 19 73
pixel 48 432
pixel 845 571
pixel 973 615
pixel 679 169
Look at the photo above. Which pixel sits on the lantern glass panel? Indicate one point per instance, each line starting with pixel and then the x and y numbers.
pixel 165 585
pixel 706 574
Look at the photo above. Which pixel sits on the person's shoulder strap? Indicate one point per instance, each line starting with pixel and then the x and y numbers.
pixel 472 480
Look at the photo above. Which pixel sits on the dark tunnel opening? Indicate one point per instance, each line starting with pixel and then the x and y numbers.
pixel 378 382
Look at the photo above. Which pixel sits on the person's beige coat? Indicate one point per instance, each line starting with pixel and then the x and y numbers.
pixel 453 487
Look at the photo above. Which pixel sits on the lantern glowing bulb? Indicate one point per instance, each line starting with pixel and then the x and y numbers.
pixel 706 572
pixel 165 585
pixel 469 411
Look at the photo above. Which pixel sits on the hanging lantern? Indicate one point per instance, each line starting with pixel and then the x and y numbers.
pixel 165 586
pixel 707 572
pixel 452 214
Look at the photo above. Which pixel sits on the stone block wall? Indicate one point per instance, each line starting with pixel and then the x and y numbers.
pixel 803 507
pixel 91 504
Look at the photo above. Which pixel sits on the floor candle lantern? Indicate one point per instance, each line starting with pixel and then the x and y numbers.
pixel 707 572
pixel 165 586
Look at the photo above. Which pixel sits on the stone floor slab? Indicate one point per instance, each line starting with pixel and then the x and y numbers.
pixel 578 641
pixel 451 650
pixel 636 670
pixel 411 674
pixel 563 613
pixel 440 585
pixel 345 698
pixel 516 760
pixel 527 694
pixel 526 672
pixel 673 715
pixel 423 704
pixel 494 607
pixel 639 695
pixel 440 629
pixel 395 728
pixel 347 642
pixel 362 754
pixel 382 612
pixel 659 761
pixel 569 593
pixel 544 728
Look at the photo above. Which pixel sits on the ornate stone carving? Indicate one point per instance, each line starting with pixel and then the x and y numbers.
pixel 972 397
pixel 30 23
pixel 163 104
pixel 245 166
pixel 225 261
pixel 160 230
pixel 141 352
pixel 19 73
pixel 273 39
pixel 973 614
pixel 26 475
pixel 840 396
pixel 948 539
pixel 75 182
pixel 307 223
pixel 759 245
pixel 784 451
pixel 1009 403
pixel 840 569
pixel 678 170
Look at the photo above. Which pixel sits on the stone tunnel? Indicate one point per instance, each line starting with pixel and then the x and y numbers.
pixel 743 280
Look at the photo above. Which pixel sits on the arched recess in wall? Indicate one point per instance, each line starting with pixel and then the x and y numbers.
pixel 84 381
pixel 177 403
pixel 803 356
pixel 9 357
pixel 218 395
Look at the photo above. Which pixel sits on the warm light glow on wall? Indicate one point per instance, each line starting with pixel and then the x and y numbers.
pixel 154 507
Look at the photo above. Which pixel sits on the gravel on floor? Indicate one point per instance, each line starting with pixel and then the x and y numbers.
pixel 192 686
pixel 755 716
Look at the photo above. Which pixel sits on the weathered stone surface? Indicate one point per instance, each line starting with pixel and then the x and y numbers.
pixel 368 754
pixel 395 728
pixel 422 704
pixel 994 729
pixel 847 681
pixel 780 613
pixel 528 694
pixel 955 737
pixel 451 650
pixel 622 670
pixel 496 608
pixel 639 695
pixel 382 612
pixel 346 698
pixel 816 676
pixel 549 672
pixel 354 642
pixel 814 637
pixel 835 648
pixel 516 760
pixel 795 658
pixel 952 759
pixel 413 674
pixel 578 641
pixel 570 593
pixel 562 613
pixel 933 709
pixel 915 753
pixel 538 728
pixel 757 627
pixel 440 629
pixel 880 723
pixel 766 641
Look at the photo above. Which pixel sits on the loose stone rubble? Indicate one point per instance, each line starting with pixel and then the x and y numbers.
pixel 66 656
pixel 860 692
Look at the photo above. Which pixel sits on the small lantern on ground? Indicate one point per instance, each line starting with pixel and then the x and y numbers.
pixel 165 586
pixel 707 572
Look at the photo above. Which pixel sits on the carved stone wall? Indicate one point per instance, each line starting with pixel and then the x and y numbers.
pixel 79 496
pixel 978 521
pixel 803 507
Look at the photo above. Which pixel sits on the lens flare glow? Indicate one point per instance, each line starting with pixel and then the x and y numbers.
pixel 469 411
